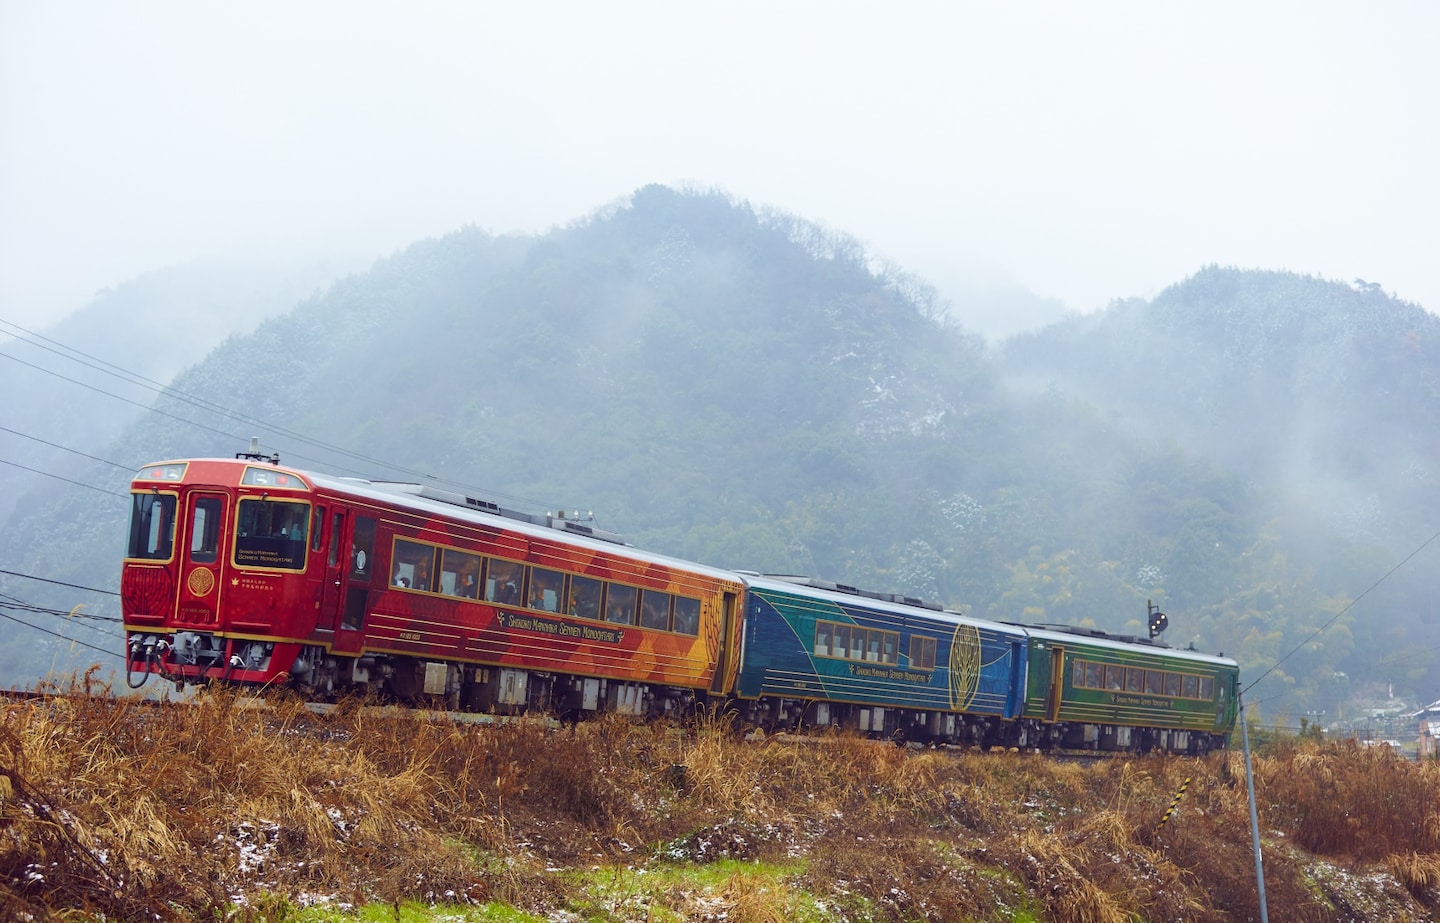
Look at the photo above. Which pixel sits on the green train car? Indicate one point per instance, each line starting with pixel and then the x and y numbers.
pixel 1088 690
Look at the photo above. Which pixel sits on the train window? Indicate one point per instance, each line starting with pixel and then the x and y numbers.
pixel 655 610
pixel 337 523
pixel 687 615
pixel 1114 678
pixel 205 530
pixel 822 639
pixel 891 652
pixel 1190 686
pixel 547 588
pixel 1207 687
pixel 1172 683
pixel 459 573
pixel 877 641
pixel 857 644
pixel 1095 675
pixel 411 565
pixel 502 582
pixel 362 548
pixel 585 597
pixel 841 644
pixel 271 533
pixel 317 529
pixel 1154 682
pixel 1134 680
pixel 620 604
pixel 1077 674
pixel 922 653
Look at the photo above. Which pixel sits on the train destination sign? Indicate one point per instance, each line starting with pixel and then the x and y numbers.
pixel 908 676
pixel 1144 701
pixel 556 627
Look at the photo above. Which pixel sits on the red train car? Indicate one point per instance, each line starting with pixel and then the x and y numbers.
pixel 243 571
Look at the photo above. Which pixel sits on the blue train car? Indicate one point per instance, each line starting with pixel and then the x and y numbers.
pixel 823 654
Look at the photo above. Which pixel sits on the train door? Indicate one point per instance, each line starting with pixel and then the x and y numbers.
pixel 357 568
pixel 334 574
pixel 348 566
pixel 202 543
pixel 722 654
pixel 1015 700
pixel 1057 683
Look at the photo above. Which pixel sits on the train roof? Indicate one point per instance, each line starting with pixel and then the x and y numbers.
pixel 1073 634
pixel 534 525
pixel 426 499
pixel 900 604
pixel 893 603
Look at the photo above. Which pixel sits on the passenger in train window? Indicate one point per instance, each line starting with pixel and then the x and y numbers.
pixel 620 604
pixel 545 587
pixel 585 597
pixel 655 610
pixel 422 575
pixel 502 583
pixel 687 615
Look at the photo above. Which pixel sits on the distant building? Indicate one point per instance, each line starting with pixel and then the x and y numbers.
pixel 1429 718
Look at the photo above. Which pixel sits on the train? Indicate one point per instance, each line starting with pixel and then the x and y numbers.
pixel 242 571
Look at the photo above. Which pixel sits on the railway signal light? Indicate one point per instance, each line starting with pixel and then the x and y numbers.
pixel 1157 619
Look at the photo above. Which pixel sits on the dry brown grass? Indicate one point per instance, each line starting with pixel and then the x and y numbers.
pixel 218 808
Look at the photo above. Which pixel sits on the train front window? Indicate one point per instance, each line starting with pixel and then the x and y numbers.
pixel 271 533
pixel 205 530
pixel 152 526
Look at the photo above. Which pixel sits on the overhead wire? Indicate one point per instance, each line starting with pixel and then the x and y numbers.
pixel 56 445
pixel 51 474
pixel 73 586
pixel 134 378
pixel 75 614
pixel 63 637
pixel 1336 617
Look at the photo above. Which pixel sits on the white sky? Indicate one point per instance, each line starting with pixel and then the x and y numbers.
pixel 1086 151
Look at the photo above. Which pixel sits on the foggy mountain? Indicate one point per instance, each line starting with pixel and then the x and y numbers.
pixel 746 389
pixel 1327 392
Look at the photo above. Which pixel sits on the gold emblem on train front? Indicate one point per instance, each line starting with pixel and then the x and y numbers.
pixel 200 581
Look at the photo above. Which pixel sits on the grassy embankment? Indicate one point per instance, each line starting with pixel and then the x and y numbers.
pixel 114 810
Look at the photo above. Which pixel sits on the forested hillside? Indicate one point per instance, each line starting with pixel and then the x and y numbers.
pixel 745 389
pixel 1324 398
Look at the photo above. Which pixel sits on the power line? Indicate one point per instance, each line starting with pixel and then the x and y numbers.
pixel 65 479
pixel 73 586
pixel 211 407
pixel 56 445
pixel 118 371
pixel 1336 616
pixel 61 636
pixel 182 396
